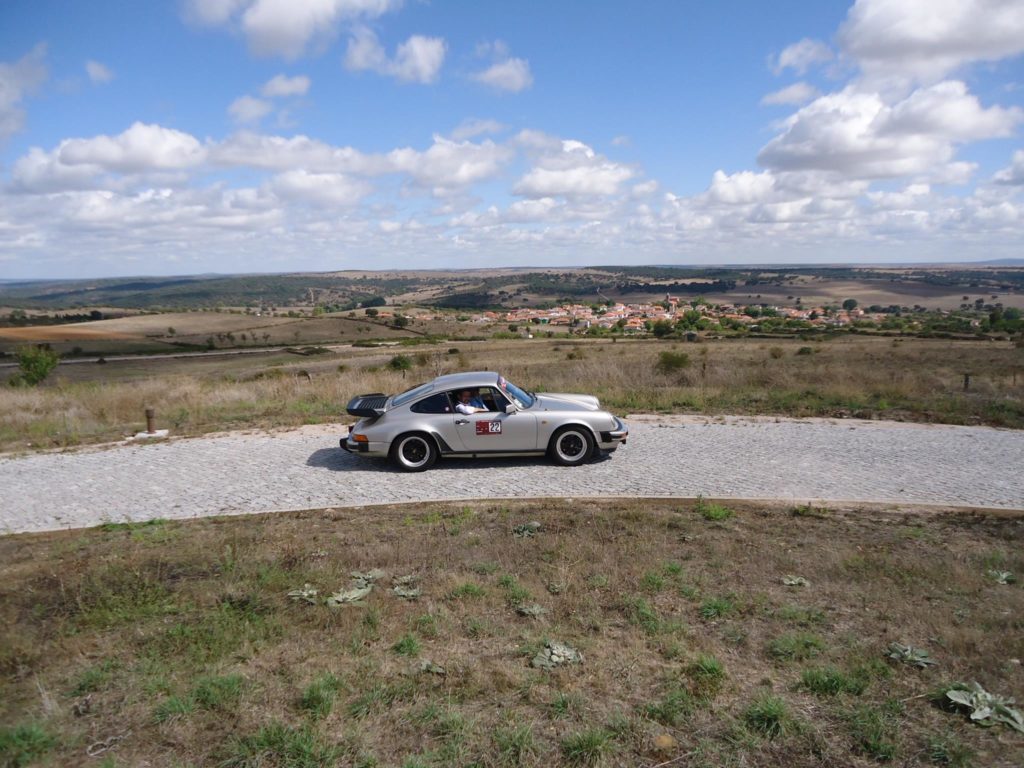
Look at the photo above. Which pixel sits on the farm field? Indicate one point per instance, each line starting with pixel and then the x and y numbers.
pixel 853 376
pixel 176 643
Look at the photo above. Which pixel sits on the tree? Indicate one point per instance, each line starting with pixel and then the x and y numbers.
pixel 171 331
pixel 401 321
pixel 375 301
pixel 371 312
pixel 662 328
pixel 35 363
pixel 850 304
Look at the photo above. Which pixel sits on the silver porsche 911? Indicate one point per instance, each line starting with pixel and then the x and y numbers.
pixel 479 414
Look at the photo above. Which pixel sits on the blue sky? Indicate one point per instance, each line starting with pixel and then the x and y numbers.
pixel 277 135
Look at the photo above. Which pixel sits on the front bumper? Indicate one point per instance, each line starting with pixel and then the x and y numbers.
pixel 613 438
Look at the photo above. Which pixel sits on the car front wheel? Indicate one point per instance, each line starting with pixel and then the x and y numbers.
pixel 414 453
pixel 571 446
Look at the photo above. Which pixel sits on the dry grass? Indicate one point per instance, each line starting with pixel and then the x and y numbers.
pixel 913 379
pixel 180 637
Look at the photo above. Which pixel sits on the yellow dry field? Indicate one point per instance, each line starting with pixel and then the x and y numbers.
pixel 57 333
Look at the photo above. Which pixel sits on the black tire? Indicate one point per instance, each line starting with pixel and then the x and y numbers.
pixel 413 452
pixel 571 446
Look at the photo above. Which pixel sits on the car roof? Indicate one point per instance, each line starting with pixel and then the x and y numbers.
pixel 469 379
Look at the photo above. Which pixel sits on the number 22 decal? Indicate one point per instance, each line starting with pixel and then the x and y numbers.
pixel 488 427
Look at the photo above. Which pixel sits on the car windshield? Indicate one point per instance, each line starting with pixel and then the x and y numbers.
pixel 523 398
pixel 411 394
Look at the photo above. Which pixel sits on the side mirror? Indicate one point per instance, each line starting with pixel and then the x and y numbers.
pixel 510 408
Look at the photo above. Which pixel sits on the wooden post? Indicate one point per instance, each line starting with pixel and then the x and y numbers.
pixel 150 420
pixel 967 381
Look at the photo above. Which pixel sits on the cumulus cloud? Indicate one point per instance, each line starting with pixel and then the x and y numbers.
pixel 511 75
pixel 505 73
pixel 283 86
pixel 797 93
pixel 418 60
pixel 857 134
pixel 98 73
pixel 928 39
pixel 802 55
pixel 572 169
pixel 249 109
pixel 284 27
pixel 324 189
pixel 18 79
pixel 1014 173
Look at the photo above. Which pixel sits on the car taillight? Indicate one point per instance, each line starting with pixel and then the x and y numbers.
pixel 361 438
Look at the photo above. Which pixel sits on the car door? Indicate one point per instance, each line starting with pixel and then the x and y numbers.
pixel 495 431
pixel 438 413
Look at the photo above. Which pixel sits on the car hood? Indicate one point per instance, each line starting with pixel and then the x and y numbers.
pixel 557 401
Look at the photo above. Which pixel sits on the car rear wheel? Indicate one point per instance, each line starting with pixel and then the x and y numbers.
pixel 571 446
pixel 414 452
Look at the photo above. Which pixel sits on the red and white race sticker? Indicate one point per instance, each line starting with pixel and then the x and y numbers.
pixel 488 427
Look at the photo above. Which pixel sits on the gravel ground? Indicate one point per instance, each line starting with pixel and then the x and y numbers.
pixel 816 460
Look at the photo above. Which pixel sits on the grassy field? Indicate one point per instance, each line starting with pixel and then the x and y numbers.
pixel 854 376
pixel 176 643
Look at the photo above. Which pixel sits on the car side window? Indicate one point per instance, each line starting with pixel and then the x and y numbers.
pixel 438 403
pixel 494 400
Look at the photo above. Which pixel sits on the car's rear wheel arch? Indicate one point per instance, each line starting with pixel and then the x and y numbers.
pixel 414 451
pixel 572 444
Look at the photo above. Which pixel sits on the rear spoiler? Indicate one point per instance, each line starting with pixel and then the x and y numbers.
pixel 371 405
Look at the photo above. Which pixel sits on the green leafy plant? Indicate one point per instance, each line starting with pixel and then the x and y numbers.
pixel 908 654
pixel 986 709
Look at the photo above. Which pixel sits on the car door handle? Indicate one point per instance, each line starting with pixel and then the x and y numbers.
pixel 462 421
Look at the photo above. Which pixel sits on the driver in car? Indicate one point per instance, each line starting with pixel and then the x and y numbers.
pixel 469 402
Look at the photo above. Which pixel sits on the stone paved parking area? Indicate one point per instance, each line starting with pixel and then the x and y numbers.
pixel 800 460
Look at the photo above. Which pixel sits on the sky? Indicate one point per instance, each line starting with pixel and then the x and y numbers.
pixel 140 137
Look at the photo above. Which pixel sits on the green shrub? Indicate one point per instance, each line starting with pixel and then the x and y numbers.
pixel 35 363
pixel 400 363
pixel 671 362
pixel 318 698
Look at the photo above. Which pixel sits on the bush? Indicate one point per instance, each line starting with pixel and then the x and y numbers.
pixel 400 363
pixel 768 716
pixel 670 362
pixel 36 363
pixel 776 352
pixel 805 351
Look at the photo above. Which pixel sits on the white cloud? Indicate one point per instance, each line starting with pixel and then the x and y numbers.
pixel 98 73
pixel 927 39
pixel 473 127
pixel 1014 173
pixel 572 169
pixel 18 79
pixel 142 147
pixel 249 109
pixel 742 187
pixel 448 164
pixel 797 93
pixel 511 75
pixel 212 12
pixel 802 55
pixel 505 72
pixel 419 59
pixel 282 85
pixel 621 141
pixel 857 134
pixel 325 189
pixel 285 27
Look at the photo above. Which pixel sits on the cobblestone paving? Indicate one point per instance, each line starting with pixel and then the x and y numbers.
pixel 812 460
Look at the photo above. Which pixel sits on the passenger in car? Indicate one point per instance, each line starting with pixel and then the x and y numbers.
pixel 470 402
